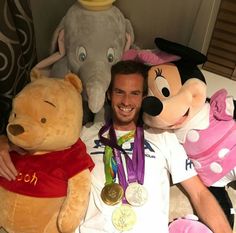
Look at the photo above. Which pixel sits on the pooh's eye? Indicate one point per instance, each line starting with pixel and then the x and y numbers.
pixel 81 53
pixel 162 84
pixel 110 55
pixel 43 120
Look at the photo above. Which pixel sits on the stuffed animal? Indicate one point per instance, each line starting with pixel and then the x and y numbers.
pixel 178 101
pixel 51 192
pixel 91 37
pixel 188 224
pixel 149 56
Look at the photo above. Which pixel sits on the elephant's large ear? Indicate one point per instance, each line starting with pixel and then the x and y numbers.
pixel 129 35
pixel 54 43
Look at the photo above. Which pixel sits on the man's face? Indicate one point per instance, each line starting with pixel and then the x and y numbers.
pixel 126 99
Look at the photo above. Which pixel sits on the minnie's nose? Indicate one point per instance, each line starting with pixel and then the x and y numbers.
pixel 152 106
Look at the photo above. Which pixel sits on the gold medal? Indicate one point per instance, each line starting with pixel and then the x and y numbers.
pixel 124 218
pixel 136 194
pixel 112 194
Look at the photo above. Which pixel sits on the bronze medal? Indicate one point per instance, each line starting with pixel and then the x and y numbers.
pixel 112 194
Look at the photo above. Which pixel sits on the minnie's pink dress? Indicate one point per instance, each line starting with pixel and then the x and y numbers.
pixel 211 142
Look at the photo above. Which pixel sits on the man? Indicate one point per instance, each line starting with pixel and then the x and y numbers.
pixel 133 194
pixel 163 155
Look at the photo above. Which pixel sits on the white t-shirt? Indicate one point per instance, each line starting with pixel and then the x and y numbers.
pixel 163 156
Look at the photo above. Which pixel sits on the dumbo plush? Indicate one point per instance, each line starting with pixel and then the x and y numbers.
pixel 92 36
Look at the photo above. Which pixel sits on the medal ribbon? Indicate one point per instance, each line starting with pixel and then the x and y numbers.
pixel 138 155
pixel 117 156
pixel 135 167
pixel 109 161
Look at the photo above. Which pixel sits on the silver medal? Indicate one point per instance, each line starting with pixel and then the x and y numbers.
pixel 136 194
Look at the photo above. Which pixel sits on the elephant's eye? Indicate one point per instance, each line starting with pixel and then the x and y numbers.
pixel 81 53
pixel 110 55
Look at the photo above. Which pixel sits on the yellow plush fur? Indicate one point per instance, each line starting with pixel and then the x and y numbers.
pixel 46 116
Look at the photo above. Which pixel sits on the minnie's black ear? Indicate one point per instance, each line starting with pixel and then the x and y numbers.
pixel 186 53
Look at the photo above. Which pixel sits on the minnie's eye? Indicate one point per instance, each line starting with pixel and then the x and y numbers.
pixel 165 91
pixel 43 120
pixel 81 53
pixel 162 84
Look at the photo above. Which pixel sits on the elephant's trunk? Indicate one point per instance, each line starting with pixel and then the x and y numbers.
pixel 96 79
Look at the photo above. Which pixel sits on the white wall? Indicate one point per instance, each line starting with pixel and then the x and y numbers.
pixel 46 16
pixel 183 21
pixel 216 82
pixel 171 19
pixel 204 24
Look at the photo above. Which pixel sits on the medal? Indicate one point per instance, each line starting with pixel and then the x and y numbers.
pixel 132 180
pixel 136 194
pixel 124 218
pixel 112 194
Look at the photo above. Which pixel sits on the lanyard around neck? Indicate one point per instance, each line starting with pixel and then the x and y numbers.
pixel 109 160
pixel 135 167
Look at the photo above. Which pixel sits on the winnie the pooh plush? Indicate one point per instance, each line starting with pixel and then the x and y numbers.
pixel 51 192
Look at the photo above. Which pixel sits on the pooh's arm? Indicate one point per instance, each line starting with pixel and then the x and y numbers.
pixel 75 205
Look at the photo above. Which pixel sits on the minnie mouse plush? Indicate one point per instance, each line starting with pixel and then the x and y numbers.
pixel 177 101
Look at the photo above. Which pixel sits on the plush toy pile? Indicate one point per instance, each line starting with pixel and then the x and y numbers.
pixel 51 192
pixel 207 130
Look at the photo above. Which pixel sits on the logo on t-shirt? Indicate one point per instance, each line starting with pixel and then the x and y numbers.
pixel 99 148
pixel 188 164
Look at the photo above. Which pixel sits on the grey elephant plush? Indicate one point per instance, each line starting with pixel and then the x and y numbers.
pixel 91 37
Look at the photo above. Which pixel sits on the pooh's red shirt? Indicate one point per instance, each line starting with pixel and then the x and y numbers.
pixel 47 175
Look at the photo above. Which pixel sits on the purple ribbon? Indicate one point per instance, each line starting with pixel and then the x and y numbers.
pixel 135 167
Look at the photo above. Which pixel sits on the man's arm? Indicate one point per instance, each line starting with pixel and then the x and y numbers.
pixel 206 206
pixel 7 169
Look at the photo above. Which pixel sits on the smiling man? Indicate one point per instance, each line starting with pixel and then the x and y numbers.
pixel 125 93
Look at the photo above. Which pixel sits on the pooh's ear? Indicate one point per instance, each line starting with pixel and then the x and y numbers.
pixel 75 81
pixel 35 74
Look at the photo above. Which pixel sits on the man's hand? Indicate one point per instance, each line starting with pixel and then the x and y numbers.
pixel 7 169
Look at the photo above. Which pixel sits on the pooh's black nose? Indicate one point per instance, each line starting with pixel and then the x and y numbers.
pixel 152 106
pixel 15 129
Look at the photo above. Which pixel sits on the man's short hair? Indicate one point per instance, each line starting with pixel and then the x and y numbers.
pixel 130 67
